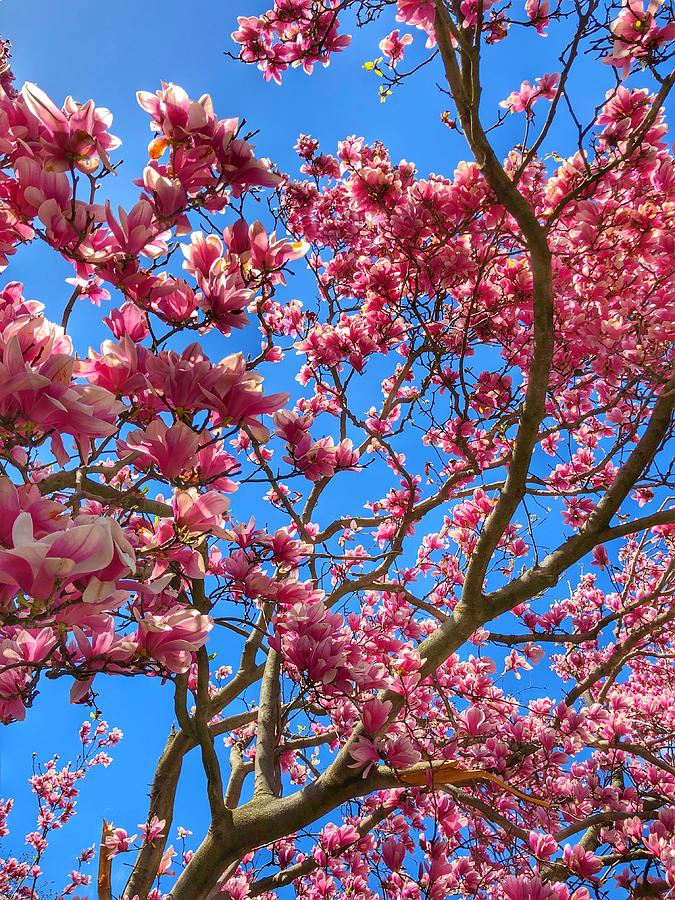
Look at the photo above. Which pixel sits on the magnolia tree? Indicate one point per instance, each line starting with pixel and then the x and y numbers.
pixel 473 480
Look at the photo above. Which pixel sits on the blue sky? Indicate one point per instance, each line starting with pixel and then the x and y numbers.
pixel 108 52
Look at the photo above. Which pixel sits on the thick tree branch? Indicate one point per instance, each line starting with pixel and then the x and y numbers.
pixel 266 775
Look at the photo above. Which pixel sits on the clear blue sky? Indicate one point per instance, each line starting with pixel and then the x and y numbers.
pixel 108 51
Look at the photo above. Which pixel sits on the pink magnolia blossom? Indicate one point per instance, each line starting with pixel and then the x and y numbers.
pixel 538 12
pixel 525 887
pixel 153 829
pixel 75 135
pixel 119 841
pixel 394 44
pixel 581 861
pixel 128 320
pixel 171 639
pixel 171 449
pixel 91 545
pixel 636 33
pixel 524 99
pixel 375 714
pixel 365 754
pixel 197 513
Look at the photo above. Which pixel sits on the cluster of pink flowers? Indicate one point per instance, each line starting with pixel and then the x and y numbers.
pixel 293 32
pixel 123 473
pixel 84 589
pixel 40 398
pixel 638 35
pixel 315 459
pixel 303 33
pixel 207 164
pixel 419 13
pixel 56 791
pixel 524 99
pixel 317 646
